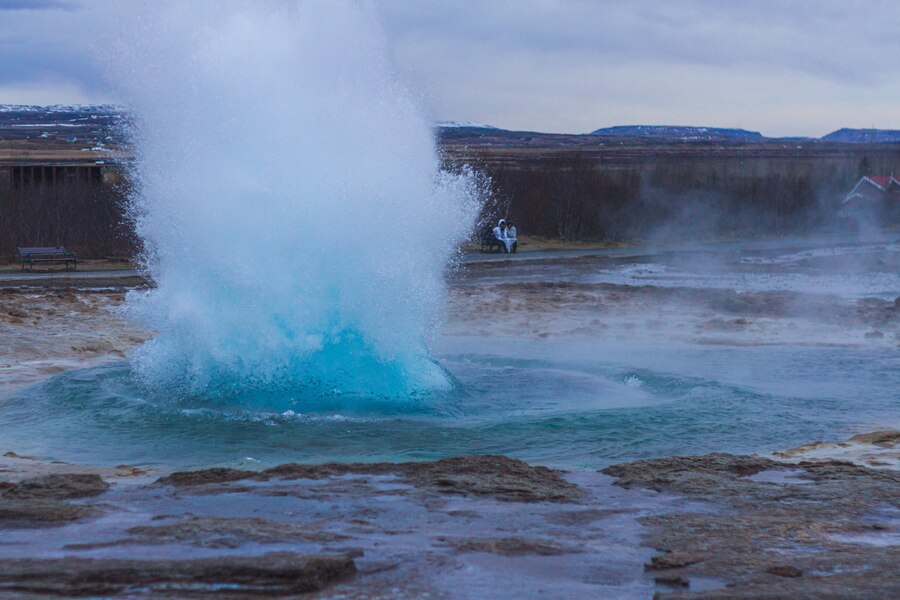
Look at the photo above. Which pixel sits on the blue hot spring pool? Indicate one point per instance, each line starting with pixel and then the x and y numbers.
pixel 579 374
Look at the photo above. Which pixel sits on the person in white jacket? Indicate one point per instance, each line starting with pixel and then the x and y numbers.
pixel 511 240
pixel 500 235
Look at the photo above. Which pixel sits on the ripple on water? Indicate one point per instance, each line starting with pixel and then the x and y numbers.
pixel 578 414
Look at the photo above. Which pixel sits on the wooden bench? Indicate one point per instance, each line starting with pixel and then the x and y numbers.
pixel 30 256
pixel 489 242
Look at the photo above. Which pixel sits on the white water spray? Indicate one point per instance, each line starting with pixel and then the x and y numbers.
pixel 291 198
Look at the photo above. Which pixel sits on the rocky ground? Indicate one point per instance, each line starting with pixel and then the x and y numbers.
pixel 816 529
pixel 47 330
pixel 818 521
pixel 458 527
pixel 714 526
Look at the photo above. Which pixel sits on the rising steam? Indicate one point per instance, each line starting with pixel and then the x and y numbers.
pixel 296 219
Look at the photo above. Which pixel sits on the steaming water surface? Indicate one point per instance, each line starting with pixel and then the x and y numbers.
pixel 571 400
pixel 843 266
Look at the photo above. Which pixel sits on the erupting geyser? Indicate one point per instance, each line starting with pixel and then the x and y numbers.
pixel 290 196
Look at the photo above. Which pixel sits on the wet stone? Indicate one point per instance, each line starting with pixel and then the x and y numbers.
pixel 511 546
pixel 673 580
pixel 672 560
pixel 885 438
pixel 204 477
pixel 785 571
pixel 21 512
pixel 754 527
pixel 42 500
pixel 499 477
pixel 219 532
pixel 584 517
pixel 58 486
pixel 272 574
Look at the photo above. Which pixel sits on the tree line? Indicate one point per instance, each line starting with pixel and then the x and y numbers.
pixel 570 196
pixel 89 218
pixel 573 197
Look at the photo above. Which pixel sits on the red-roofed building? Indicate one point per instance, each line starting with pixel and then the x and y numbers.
pixel 881 181
pixel 873 201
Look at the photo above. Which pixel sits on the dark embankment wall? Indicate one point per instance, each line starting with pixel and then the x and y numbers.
pixel 564 195
pixel 573 196
pixel 87 218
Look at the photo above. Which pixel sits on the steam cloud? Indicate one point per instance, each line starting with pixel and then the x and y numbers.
pixel 290 197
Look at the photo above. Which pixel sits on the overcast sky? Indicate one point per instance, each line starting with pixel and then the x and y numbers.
pixel 775 66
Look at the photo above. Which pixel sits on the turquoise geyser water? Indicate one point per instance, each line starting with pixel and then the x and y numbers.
pixel 296 220
pixel 647 378
pixel 568 404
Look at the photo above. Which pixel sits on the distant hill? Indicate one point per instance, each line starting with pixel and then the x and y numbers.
pixel 673 133
pixel 88 133
pixel 863 136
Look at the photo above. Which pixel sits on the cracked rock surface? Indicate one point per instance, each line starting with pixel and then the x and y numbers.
pixel 817 529
pixel 268 574
pixel 714 526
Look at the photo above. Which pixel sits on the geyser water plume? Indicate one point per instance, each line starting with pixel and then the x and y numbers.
pixel 290 196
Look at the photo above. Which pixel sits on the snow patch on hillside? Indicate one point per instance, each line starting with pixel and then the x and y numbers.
pixel 466 124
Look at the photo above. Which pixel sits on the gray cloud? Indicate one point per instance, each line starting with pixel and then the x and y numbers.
pixel 783 67
pixel 827 38
pixel 37 5
pixel 47 50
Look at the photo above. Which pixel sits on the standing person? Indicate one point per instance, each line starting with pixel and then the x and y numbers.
pixel 500 235
pixel 511 237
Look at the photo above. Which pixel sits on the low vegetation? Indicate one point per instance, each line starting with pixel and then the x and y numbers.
pixel 567 196
pixel 573 197
pixel 87 218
